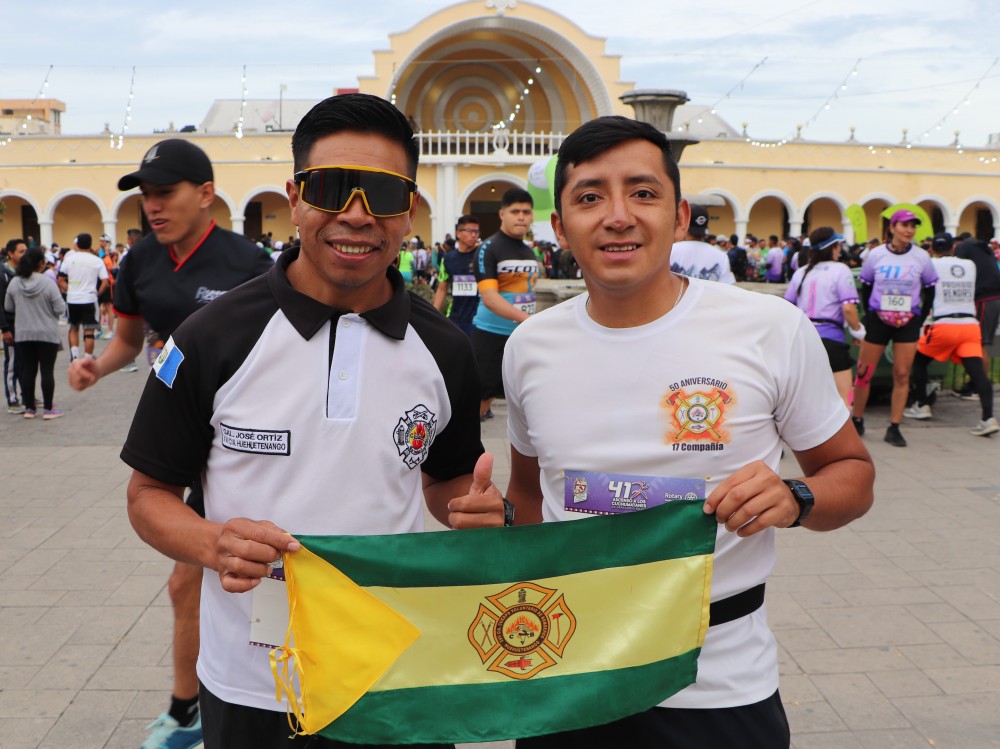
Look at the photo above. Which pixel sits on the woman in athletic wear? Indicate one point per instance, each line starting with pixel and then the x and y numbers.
pixel 897 289
pixel 824 289
pixel 38 305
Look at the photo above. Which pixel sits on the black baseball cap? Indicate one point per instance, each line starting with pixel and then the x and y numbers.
pixel 699 221
pixel 169 162
pixel 943 241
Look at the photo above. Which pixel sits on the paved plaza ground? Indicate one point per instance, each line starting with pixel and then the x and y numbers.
pixel 889 630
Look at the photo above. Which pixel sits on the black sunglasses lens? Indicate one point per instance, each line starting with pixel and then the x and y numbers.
pixel 331 189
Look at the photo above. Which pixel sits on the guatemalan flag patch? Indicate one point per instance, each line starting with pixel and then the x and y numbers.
pixel 167 363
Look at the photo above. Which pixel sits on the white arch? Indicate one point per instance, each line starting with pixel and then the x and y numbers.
pixel 50 209
pixel 227 200
pixel 877 196
pixel 119 201
pixel 987 201
pixel 491 177
pixel 839 201
pixel 254 192
pixel 946 214
pixel 794 214
pixel 738 212
pixel 23 196
pixel 430 201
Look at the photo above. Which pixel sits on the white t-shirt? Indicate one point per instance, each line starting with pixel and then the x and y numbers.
pixel 587 398
pixel 956 291
pixel 701 260
pixel 82 271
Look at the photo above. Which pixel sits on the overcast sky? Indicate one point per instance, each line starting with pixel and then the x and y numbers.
pixel 920 60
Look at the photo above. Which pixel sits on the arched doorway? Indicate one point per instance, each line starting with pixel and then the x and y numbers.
pixel 978 219
pixel 18 219
pixel 131 216
pixel 878 227
pixel 769 215
pixel 484 204
pixel 266 212
pixel 73 215
pixel 822 212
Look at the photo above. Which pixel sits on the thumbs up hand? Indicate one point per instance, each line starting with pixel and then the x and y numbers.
pixel 483 506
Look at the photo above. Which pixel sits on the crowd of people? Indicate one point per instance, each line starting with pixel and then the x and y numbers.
pixel 332 341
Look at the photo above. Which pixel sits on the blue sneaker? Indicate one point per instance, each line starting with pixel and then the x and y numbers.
pixel 168 734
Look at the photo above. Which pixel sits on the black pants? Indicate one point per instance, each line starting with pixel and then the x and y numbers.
pixel 762 725
pixel 35 356
pixel 973 365
pixel 229 726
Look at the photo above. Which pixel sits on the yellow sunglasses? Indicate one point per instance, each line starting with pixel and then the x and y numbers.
pixel 332 188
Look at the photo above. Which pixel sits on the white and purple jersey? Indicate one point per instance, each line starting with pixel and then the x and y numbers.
pixel 897 279
pixel 826 288
pixel 775 263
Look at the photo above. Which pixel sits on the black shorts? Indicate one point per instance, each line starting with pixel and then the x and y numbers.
pixel 104 297
pixel 488 348
pixel 82 314
pixel 229 726
pixel 879 333
pixel 762 725
pixel 839 354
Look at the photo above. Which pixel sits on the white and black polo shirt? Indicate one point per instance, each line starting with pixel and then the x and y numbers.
pixel 316 420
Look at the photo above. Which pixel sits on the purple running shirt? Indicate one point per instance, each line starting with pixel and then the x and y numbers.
pixel 827 287
pixel 897 280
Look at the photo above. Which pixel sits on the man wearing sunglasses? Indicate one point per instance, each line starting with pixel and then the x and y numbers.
pixel 320 398
pixel 457 273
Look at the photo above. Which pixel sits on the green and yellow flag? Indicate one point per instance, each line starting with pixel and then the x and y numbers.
pixel 486 635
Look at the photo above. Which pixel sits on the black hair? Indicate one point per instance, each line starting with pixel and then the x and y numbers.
pixel 465 219
pixel 773 238
pixel 816 256
pixel 734 240
pixel 356 113
pixel 29 262
pixel 516 195
pixel 593 138
pixel 134 233
pixel 84 241
pixel 12 245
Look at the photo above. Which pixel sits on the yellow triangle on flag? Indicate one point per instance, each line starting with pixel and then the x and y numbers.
pixel 342 640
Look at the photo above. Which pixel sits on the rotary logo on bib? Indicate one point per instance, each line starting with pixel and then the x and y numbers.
pixel 697 409
pixel 523 630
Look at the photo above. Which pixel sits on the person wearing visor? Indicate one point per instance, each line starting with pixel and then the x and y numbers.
pixel 824 290
pixel 897 289
pixel 298 399
pixel 185 263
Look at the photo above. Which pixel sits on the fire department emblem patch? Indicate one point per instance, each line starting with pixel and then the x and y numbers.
pixel 522 630
pixel 698 415
pixel 414 434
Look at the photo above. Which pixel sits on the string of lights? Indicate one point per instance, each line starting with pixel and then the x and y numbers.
pixel 964 101
pixel 23 125
pixel 824 107
pixel 128 115
pixel 243 104
pixel 525 92
pixel 724 97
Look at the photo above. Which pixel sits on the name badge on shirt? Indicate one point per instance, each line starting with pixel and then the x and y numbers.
pixel 896 302
pixel 613 493
pixel 464 286
pixel 269 610
pixel 525 303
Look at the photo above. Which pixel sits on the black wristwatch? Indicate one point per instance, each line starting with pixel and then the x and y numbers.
pixel 508 513
pixel 804 496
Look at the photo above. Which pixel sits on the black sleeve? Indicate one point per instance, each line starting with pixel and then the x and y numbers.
pixel 171 432
pixel 125 302
pixel 926 302
pixel 262 262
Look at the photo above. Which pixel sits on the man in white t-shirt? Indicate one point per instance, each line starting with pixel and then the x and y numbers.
pixel 83 277
pixel 696 258
pixel 656 377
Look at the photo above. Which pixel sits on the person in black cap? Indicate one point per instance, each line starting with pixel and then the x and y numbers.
pixel 696 258
pixel 187 262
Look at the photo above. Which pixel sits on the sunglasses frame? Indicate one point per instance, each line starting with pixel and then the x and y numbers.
pixel 301 176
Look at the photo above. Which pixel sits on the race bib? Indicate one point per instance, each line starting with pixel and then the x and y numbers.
pixel 896 303
pixel 612 493
pixel 464 286
pixel 525 303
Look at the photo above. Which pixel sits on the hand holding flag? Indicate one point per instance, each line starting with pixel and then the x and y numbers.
pixel 244 550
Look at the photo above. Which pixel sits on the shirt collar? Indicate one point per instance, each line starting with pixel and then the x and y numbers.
pixel 308 315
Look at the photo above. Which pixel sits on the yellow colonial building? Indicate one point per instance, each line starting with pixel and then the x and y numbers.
pixel 492 87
